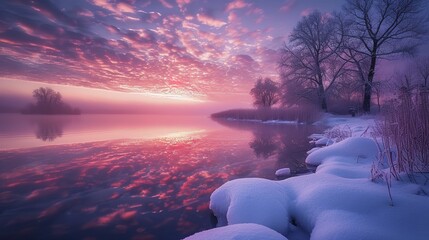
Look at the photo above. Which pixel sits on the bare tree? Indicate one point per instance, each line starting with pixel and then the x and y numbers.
pixel 311 58
pixel 265 92
pixel 382 28
pixel 49 102
pixel 47 99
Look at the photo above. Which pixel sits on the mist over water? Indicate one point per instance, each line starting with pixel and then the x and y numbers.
pixel 130 176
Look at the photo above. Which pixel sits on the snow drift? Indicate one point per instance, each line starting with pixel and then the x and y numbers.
pixel 338 201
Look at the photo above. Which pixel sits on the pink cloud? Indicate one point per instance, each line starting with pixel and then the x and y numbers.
pixel 306 12
pixel 189 25
pixel 104 4
pixel 86 13
pixel 150 16
pixel 166 4
pixel 207 20
pixel 232 17
pixel 191 44
pixel 236 4
pixel 125 7
pixel 121 11
pixel 112 29
pixel 287 6
pixel 176 47
pixel 182 3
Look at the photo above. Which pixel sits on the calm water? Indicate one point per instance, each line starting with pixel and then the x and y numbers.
pixel 129 177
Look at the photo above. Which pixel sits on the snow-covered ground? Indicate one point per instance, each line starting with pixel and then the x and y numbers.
pixel 338 201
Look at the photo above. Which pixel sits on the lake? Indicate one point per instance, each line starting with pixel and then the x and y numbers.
pixel 130 176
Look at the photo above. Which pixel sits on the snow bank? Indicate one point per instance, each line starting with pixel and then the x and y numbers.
pixel 339 201
pixel 344 208
pixel 243 231
pixel 251 200
pixel 353 148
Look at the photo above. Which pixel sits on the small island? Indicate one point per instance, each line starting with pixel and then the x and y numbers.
pixel 49 102
pixel 266 94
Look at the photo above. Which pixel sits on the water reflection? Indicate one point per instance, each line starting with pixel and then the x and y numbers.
pixel 48 129
pixel 265 144
pixel 135 188
pixel 287 143
pixel 126 189
pixel 24 131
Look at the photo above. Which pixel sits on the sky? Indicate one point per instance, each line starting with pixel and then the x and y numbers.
pixel 170 54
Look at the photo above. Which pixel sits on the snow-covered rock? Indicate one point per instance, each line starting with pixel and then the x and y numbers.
pixel 251 200
pixel 283 172
pixel 243 231
pixel 324 141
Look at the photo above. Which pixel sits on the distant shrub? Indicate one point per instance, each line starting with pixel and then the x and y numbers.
pixel 302 114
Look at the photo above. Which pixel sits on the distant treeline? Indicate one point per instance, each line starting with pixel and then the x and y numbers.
pixel 49 102
pixel 302 114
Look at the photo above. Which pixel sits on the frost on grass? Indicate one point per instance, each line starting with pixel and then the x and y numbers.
pixel 339 201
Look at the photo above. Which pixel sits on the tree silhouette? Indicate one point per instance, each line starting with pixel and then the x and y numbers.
pixel 49 102
pixel 311 62
pixel 265 92
pixel 378 28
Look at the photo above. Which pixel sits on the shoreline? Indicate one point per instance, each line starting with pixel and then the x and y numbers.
pixel 341 200
pixel 261 121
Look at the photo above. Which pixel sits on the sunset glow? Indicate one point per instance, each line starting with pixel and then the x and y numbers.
pixel 214 119
pixel 166 51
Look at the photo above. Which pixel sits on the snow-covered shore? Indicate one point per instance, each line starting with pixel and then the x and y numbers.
pixel 338 201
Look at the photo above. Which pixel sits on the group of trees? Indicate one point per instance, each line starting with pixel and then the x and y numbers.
pixel 334 56
pixel 49 102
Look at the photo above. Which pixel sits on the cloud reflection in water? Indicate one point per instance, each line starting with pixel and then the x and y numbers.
pixel 142 189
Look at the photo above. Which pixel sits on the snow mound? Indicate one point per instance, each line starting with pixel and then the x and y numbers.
pixel 338 202
pixel 251 200
pixel 243 231
pixel 283 172
pixel 350 149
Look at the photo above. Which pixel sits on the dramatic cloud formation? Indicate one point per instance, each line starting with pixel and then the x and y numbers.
pixel 206 50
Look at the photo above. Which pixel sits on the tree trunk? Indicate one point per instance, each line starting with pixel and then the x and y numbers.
pixel 322 98
pixel 367 98
pixel 324 104
pixel 368 84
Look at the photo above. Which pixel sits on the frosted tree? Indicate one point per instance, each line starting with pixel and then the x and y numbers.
pixel 380 28
pixel 310 62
